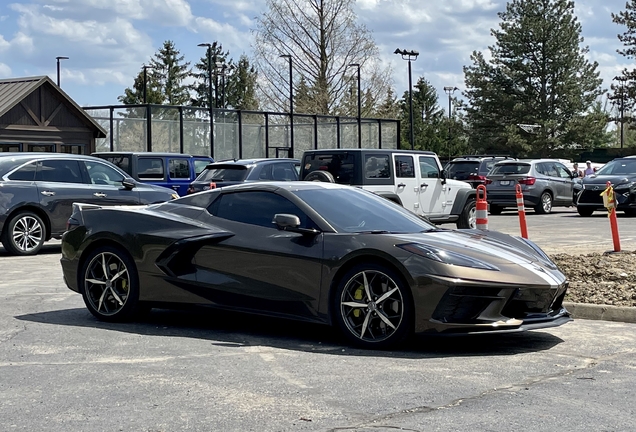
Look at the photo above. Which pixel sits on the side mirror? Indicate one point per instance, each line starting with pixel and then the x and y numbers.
pixel 290 222
pixel 128 183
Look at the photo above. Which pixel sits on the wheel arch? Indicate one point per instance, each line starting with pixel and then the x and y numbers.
pixel 34 209
pixel 391 197
pixel 462 197
pixel 367 258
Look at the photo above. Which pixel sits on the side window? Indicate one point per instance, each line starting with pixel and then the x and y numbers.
pixel 266 172
pixel 376 166
pixel 123 162
pixel 150 169
pixel 60 171
pixel 550 169
pixel 102 174
pixel 255 208
pixel 404 166
pixel 25 173
pixel 541 169
pixel 199 165
pixel 428 167
pixel 283 172
pixel 563 171
pixel 179 168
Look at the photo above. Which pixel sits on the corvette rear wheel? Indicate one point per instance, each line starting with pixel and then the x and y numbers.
pixel 373 307
pixel 110 285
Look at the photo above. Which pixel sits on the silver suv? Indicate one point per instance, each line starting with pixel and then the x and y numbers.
pixel 545 183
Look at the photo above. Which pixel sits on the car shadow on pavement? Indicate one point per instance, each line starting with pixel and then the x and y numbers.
pixel 47 249
pixel 234 329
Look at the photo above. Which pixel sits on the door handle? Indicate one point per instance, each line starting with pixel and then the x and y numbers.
pixel 401 185
pixel 48 193
pixel 423 185
pixel 100 194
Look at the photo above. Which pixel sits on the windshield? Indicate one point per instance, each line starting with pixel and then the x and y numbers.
pixel 463 168
pixel 510 168
pixel 618 167
pixel 223 173
pixel 355 210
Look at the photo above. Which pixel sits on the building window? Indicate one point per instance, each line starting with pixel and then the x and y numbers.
pixel 77 149
pixel 48 148
pixel 10 147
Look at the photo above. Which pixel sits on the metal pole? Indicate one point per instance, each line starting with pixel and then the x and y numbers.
pixel 211 106
pixel 411 107
pixel 145 84
pixel 622 115
pixel 449 126
pixel 58 72
pixel 291 109
pixel 359 111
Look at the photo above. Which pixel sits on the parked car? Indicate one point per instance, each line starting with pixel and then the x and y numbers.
pixel 621 172
pixel 230 172
pixel 172 170
pixel 545 183
pixel 310 251
pixel 37 191
pixel 413 179
pixel 472 169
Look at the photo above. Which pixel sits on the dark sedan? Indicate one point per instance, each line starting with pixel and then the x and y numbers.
pixel 37 191
pixel 231 172
pixel 621 173
pixel 311 251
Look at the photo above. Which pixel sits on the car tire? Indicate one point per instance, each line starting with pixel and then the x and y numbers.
pixel 545 203
pixel 468 217
pixel 24 234
pixel 584 211
pixel 374 325
pixel 321 176
pixel 109 284
pixel 495 210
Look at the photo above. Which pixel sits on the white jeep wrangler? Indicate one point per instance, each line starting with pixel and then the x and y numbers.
pixel 413 179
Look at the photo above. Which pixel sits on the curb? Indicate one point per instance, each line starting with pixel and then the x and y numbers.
pixel 601 312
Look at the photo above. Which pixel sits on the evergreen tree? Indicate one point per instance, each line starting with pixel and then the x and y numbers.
pixel 171 72
pixel 389 108
pixel 201 86
pixel 135 95
pixel 625 89
pixel 538 75
pixel 428 119
pixel 241 86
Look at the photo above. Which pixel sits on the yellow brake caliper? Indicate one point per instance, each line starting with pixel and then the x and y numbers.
pixel 358 296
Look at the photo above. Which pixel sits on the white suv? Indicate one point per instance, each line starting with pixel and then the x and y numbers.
pixel 413 179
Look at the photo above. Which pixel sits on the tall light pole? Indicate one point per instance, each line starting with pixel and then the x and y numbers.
pixel 210 105
pixel 409 56
pixel 449 91
pixel 223 67
pixel 357 65
pixel 145 68
pixel 58 67
pixel 291 104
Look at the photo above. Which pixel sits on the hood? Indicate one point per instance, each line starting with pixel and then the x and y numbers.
pixel 603 179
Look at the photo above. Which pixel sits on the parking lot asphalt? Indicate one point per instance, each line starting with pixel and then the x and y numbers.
pixel 62 370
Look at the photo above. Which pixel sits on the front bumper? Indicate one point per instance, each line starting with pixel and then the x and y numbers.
pixel 625 198
pixel 476 308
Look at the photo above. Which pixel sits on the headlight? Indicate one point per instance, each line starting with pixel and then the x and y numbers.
pixel 175 196
pixel 446 256
pixel 629 185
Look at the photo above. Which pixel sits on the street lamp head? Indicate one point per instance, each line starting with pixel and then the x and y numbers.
pixel 61 58
pixel 407 55
pixel 354 64
pixel 450 90
pixel 204 45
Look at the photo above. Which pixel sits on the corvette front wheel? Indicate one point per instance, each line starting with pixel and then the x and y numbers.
pixel 373 307
pixel 110 285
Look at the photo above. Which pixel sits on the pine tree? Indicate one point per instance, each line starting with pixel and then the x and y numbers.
pixel 241 86
pixel 135 95
pixel 201 86
pixel 428 118
pixel 389 108
pixel 538 75
pixel 171 72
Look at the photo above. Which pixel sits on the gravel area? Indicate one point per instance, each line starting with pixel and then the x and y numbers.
pixel 600 278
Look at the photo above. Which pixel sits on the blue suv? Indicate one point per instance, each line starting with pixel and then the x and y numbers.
pixel 172 170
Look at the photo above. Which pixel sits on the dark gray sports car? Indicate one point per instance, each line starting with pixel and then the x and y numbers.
pixel 310 251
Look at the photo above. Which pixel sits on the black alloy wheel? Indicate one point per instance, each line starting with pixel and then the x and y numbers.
pixel 110 285
pixel 373 307
pixel 24 234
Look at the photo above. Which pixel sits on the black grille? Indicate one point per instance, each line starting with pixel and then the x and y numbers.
pixel 465 304
pixel 528 301
pixel 591 197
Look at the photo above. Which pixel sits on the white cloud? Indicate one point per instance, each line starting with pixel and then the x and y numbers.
pixel 5 71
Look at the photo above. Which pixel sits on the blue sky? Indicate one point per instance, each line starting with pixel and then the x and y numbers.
pixel 108 40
